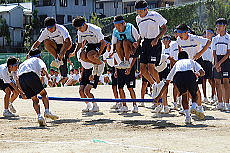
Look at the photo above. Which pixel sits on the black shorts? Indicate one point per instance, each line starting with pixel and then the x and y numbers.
pixel 225 69
pixel 150 54
pixel 201 62
pixel 95 47
pixel 163 75
pixel 123 79
pixel 3 85
pixel 208 68
pixel 186 81
pixel 63 68
pixel 114 80
pixel 30 84
pixel 85 78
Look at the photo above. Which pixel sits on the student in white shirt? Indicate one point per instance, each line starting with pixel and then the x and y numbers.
pixel 208 67
pixel 221 52
pixel 87 82
pixel 184 74
pixel 8 86
pixel 29 79
pixel 124 40
pixel 191 44
pixel 95 44
pixel 57 42
pixel 152 26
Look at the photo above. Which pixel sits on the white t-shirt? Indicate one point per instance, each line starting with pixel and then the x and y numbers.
pixel 174 50
pixel 184 65
pixel 92 35
pixel 76 77
pixel 192 44
pixel 149 26
pixel 58 36
pixel 86 65
pixel 4 74
pixel 135 35
pixel 166 51
pixel 33 64
pixel 221 44
pixel 208 54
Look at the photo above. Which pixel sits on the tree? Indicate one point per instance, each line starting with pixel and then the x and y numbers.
pixel 95 20
pixel 4 31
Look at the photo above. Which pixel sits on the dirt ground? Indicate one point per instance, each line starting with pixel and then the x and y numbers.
pixel 108 131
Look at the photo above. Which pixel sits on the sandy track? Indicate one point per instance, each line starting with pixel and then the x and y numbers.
pixel 110 132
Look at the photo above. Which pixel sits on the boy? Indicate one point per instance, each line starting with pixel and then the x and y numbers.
pixel 182 71
pixel 221 52
pixel 192 45
pixel 6 84
pixel 29 72
pixel 124 40
pixel 95 45
pixel 57 42
pixel 149 24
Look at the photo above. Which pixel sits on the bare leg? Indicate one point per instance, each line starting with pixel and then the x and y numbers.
pixel 146 73
pixel 36 104
pixel 226 90
pixel 153 72
pixel 132 95
pixel 143 89
pixel 45 99
pixel 219 90
pixel 51 47
pixel 13 96
pixel 115 92
pixel 204 87
pixel 93 57
pixel 127 45
pixel 122 95
pixel 7 97
pixel 119 50
pixel 82 93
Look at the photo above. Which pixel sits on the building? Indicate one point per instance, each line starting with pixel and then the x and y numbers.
pixel 117 7
pixel 64 10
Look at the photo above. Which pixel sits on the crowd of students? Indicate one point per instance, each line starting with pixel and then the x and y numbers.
pixel 184 63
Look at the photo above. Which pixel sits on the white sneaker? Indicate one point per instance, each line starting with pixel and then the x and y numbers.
pixel 95 108
pixel 220 107
pixel 205 100
pixel 7 113
pixel 116 106
pixel 200 113
pixel 41 121
pixel 124 109
pixel 101 69
pixel 166 110
pixel 154 90
pixel 11 108
pixel 51 116
pixel 188 120
pixel 227 107
pixel 95 69
pixel 135 109
pixel 154 106
pixel 158 109
pixel 88 108
pixel 142 104
pixel 159 87
pixel 193 110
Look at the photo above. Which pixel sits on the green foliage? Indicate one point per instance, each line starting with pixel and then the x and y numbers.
pixel 198 15
pixel 95 20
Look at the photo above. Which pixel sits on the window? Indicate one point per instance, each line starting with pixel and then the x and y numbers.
pixel 60 19
pixel 99 5
pixel 76 2
pixel 69 18
pixel 63 3
pixel 83 2
pixel 115 4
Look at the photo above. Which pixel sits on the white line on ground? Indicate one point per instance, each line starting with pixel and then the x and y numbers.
pixel 93 141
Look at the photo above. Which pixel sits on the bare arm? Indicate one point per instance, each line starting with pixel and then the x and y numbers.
pixel 217 65
pixel 103 45
pixel 199 54
pixel 156 100
pixel 163 31
pixel 36 45
pixel 78 46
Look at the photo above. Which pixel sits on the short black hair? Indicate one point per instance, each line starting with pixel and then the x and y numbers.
pixel 49 22
pixel 221 21
pixel 183 55
pixel 118 18
pixel 78 21
pixel 141 4
pixel 182 27
pixel 11 61
pixel 34 52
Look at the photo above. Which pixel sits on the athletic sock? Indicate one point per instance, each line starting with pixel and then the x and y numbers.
pixel 6 110
pixel 199 107
pixel 187 113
